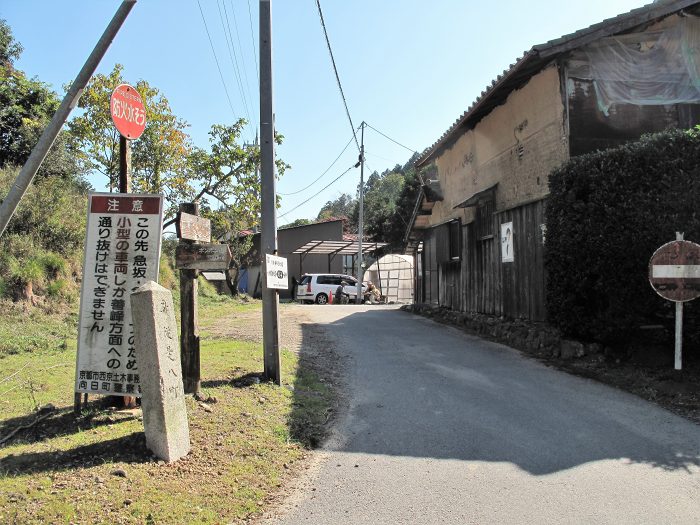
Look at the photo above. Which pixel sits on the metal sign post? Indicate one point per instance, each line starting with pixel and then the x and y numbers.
pixel 129 117
pixel 674 273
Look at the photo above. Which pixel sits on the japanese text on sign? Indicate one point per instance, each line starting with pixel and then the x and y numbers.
pixel 122 252
pixel 276 269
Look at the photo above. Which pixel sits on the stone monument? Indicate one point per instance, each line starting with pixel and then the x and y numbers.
pixel 158 359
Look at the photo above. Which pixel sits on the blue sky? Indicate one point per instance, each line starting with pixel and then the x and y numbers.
pixel 409 68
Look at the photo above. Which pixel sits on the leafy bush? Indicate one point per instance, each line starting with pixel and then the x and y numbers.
pixel 53 264
pixel 25 275
pixel 57 288
pixel 606 215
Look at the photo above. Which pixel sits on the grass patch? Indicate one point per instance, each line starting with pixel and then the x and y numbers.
pixel 24 332
pixel 95 468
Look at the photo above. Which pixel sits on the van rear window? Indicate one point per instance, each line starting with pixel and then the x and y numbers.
pixel 306 279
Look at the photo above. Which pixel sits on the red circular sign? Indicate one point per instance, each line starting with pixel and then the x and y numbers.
pixel 128 112
pixel 674 271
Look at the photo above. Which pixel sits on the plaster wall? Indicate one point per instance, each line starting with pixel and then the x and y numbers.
pixel 516 145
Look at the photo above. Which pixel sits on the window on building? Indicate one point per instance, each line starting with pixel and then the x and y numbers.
pixel 455 234
pixel 484 219
pixel 348 264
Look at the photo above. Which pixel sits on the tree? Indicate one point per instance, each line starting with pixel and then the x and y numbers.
pixel 10 49
pixel 381 194
pixel 389 202
pixel 343 206
pixel 298 222
pixel 26 107
pixel 229 189
pixel 158 157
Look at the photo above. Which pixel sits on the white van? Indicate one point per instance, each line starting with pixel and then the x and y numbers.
pixel 319 287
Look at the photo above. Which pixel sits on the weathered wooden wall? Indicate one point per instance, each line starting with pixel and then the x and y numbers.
pixel 479 281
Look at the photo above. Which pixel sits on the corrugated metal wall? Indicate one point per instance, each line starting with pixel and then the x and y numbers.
pixel 479 281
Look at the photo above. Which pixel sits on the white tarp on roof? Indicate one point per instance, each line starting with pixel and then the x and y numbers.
pixel 650 68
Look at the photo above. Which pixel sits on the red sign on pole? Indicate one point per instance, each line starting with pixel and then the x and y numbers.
pixel 128 112
pixel 674 271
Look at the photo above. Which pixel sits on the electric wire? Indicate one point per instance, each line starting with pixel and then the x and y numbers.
pixel 252 39
pixel 389 138
pixel 318 192
pixel 232 53
pixel 335 69
pixel 216 59
pixel 240 47
pixel 379 156
pixel 321 175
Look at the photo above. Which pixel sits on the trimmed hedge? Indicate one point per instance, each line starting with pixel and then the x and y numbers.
pixel 606 215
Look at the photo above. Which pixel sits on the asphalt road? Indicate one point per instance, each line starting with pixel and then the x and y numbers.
pixel 443 427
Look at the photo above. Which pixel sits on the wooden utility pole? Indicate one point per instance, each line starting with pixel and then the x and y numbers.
pixel 189 320
pixel 268 235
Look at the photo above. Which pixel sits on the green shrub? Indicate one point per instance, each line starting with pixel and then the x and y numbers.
pixel 606 215
pixel 57 288
pixel 4 289
pixel 53 264
pixel 30 271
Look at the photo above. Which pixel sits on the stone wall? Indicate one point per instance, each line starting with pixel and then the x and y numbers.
pixel 535 338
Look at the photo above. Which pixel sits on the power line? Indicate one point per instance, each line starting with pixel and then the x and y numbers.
pixel 392 140
pixel 322 174
pixel 240 47
pixel 379 156
pixel 318 192
pixel 216 59
pixel 252 39
pixel 335 69
pixel 232 53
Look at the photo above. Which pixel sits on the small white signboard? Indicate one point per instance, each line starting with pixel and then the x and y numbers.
pixel 277 275
pixel 122 252
pixel 507 242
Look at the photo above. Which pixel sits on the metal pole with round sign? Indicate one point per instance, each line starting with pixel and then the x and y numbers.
pixel 129 117
pixel 674 273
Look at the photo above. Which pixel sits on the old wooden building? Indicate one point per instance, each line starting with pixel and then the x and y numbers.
pixel 478 228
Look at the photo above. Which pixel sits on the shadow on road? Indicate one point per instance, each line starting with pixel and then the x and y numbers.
pixel 421 389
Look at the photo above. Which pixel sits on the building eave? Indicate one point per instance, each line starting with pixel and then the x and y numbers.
pixel 539 57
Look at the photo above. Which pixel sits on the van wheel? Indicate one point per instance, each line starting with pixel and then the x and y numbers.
pixel 322 298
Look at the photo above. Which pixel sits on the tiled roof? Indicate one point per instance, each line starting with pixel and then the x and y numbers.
pixel 540 55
